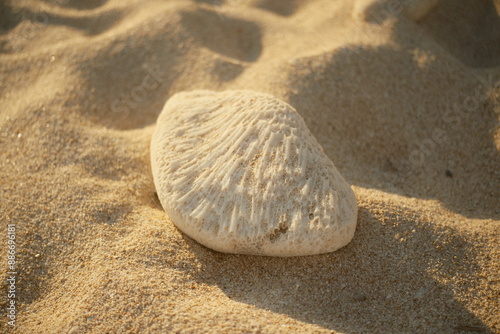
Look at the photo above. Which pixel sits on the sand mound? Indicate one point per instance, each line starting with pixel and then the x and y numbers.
pixel 409 112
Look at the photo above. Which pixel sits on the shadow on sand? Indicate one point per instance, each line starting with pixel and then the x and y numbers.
pixel 398 118
pixel 389 284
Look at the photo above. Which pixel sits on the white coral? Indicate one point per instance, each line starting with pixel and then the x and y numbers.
pixel 239 172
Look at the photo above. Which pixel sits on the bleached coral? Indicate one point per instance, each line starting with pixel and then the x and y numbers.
pixel 240 172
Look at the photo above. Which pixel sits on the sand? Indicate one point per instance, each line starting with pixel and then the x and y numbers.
pixel 408 112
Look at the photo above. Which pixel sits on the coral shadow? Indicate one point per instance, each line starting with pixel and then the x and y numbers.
pixel 358 288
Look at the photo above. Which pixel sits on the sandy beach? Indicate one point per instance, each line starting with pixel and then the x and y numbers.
pixel 408 110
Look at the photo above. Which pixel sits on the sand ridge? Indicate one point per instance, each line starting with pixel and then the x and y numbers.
pixel 408 112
